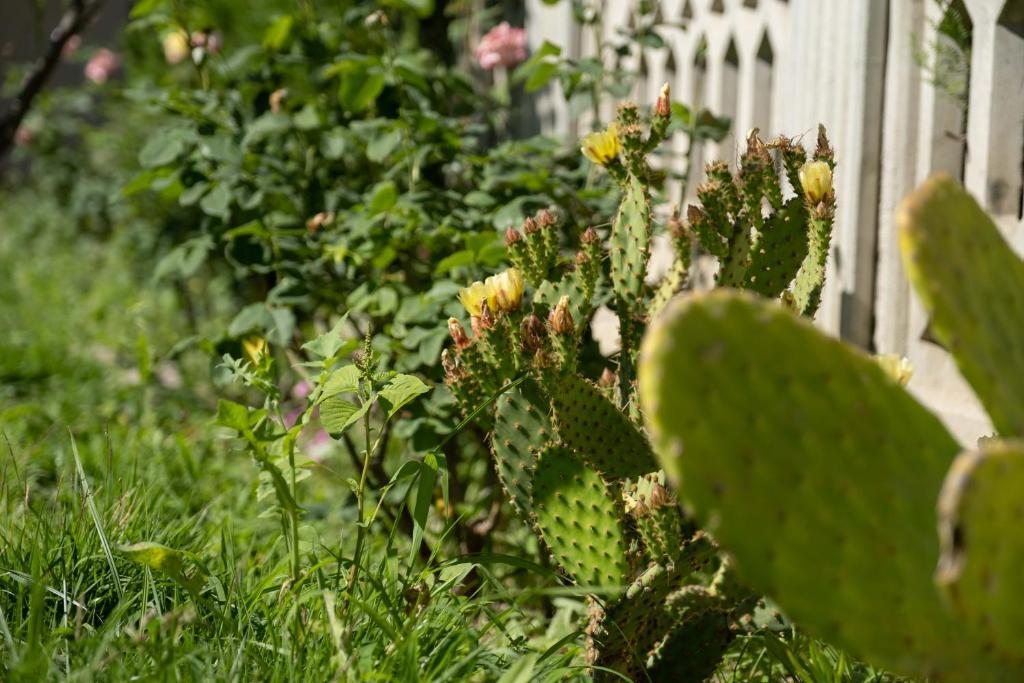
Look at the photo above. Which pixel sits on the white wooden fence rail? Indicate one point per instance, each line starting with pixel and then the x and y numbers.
pixel 784 66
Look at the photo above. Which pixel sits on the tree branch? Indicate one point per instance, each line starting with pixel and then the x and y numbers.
pixel 75 20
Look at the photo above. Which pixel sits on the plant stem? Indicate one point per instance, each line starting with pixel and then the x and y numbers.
pixel 360 505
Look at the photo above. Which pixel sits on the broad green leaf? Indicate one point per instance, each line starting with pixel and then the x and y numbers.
pixel 233 415
pixel 400 390
pixel 277 33
pixel 217 202
pixel 382 145
pixel 164 147
pixel 342 381
pixel 163 559
pixel 338 414
pixel 328 343
pixel 384 196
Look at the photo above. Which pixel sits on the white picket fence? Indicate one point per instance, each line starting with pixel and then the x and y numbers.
pixel 784 66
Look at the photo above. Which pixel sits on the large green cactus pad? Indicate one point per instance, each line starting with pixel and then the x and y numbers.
pixel 814 469
pixel 973 286
pixel 981 517
pixel 521 430
pixel 579 520
pixel 596 430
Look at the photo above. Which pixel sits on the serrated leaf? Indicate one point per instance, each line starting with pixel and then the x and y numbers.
pixel 338 414
pixel 327 344
pixel 233 415
pixel 401 390
pixel 342 381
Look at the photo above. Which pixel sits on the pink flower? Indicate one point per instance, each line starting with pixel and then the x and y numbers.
pixel 102 65
pixel 502 46
pixel 70 47
pixel 213 41
pixel 301 390
pixel 23 136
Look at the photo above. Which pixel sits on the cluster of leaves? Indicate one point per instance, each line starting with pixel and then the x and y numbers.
pixel 340 166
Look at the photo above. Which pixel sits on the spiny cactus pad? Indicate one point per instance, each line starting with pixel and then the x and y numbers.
pixel 632 634
pixel 780 251
pixel 815 469
pixel 973 286
pixel 579 520
pixel 521 430
pixel 599 433
pixel 980 515
pixel 631 243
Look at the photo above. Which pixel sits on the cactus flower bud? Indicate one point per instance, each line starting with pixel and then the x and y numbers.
pixel 486 317
pixel 602 147
pixel 560 319
pixel 458 333
pixel 608 378
pixel 545 218
pixel 530 226
pixel 533 333
pixel 589 236
pixel 663 107
pixel 660 496
pixel 506 290
pixel 581 258
pixel 816 180
pixel 512 236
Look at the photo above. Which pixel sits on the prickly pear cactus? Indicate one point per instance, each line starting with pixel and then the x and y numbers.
pixel 815 469
pixel 569 451
pixel 972 284
pixel 982 550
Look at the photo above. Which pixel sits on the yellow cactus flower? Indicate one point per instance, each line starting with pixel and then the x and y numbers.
pixel 474 297
pixel 816 180
pixel 507 289
pixel 897 367
pixel 601 147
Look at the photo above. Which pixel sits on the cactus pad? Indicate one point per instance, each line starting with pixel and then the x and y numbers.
pixel 658 626
pixel 591 425
pixel 815 469
pixel 631 243
pixel 579 520
pixel 521 430
pixel 980 513
pixel 973 286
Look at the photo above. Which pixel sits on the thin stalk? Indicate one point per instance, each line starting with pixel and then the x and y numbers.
pixel 360 506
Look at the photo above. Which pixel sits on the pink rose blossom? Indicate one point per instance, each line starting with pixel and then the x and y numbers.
pixel 102 65
pixel 502 46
